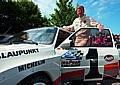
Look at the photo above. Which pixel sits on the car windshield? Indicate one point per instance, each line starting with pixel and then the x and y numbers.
pixel 91 37
pixel 43 35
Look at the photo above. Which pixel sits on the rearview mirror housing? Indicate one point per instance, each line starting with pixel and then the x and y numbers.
pixel 65 46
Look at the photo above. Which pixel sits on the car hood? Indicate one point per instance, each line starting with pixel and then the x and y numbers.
pixel 21 54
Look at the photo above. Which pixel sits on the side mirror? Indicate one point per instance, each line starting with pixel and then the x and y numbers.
pixel 65 46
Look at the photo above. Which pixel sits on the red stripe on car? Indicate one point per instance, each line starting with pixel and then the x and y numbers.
pixel 111 66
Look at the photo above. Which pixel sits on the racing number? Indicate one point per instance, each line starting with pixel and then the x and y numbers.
pixel 94 72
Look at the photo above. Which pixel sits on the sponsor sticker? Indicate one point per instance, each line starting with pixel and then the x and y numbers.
pixel 18 53
pixel 30 65
pixel 71 58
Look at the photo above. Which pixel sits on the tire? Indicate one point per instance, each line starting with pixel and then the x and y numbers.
pixel 36 79
pixel 111 81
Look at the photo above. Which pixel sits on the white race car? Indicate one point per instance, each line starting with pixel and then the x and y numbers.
pixel 49 56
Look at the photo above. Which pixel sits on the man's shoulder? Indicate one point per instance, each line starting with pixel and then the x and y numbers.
pixel 76 20
pixel 88 17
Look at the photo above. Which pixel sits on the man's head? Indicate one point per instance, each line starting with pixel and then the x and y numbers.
pixel 24 36
pixel 80 11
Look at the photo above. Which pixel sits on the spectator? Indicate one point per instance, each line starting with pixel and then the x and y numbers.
pixel 21 37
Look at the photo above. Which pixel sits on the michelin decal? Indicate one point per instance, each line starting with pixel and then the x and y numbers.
pixel 30 65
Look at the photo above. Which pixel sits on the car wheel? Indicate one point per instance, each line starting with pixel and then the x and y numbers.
pixel 37 79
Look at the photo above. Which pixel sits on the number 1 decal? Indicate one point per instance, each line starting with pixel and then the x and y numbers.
pixel 94 72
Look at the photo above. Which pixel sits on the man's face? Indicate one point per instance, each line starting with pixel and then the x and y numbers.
pixel 24 37
pixel 80 12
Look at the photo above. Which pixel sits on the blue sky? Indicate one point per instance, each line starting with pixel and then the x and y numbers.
pixel 107 12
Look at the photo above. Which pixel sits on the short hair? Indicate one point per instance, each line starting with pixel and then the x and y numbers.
pixel 80 7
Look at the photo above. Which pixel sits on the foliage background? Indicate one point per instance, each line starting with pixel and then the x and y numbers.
pixel 16 16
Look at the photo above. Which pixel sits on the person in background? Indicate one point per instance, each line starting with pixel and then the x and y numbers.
pixel 24 36
pixel 19 38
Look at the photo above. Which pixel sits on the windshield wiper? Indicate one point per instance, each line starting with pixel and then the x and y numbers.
pixel 30 42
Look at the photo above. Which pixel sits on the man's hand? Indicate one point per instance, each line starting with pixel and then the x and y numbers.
pixel 68 28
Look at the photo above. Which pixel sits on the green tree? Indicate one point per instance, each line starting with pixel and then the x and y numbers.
pixel 64 15
pixel 20 15
pixel 30 15
pixel 46 21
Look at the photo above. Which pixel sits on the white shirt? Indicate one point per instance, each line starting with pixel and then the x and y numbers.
pixel 84 21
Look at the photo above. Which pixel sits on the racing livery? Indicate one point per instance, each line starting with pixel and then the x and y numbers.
pixel 49 56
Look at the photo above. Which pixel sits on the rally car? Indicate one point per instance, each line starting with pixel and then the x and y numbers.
pixel 49 56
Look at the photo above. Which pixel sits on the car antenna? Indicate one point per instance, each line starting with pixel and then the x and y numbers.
pixel 7 31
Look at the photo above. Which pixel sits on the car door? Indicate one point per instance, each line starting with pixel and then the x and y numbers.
pixel 89 55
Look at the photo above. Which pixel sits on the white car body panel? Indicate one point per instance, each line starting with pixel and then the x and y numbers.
pixel 46 58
